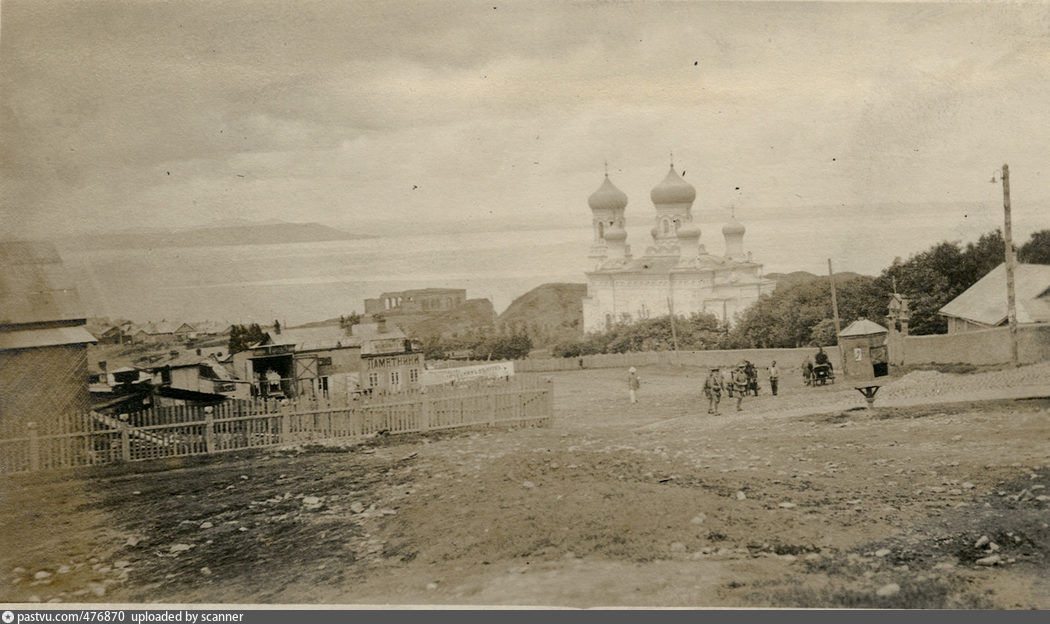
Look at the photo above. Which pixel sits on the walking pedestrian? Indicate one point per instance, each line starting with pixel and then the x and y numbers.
pixel 774 377
pixel 727 380
pixel 713 390
pixel 633 383
pixel 740 384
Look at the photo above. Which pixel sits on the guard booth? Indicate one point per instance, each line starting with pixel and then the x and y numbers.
pixel 863 346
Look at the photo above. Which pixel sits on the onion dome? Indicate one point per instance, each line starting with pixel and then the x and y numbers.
pixel 734 227
pixel 607 197
pixel 673 190
pixel 616 234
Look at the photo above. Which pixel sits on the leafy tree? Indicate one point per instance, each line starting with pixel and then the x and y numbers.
pixel 1036 250
pixel 349 321
pixel 243 336
pixel 512 347
pixel 823 333
pixel 696 332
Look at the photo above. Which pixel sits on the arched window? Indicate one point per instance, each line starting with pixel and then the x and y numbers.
pixel 664 226
pixel 601 230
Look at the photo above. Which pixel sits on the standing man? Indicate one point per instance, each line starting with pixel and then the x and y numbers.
pixel 774 377
pixel 713 390
pixel 740 384
pixel 633 383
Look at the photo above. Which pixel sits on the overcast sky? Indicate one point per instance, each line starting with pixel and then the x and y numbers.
pixel 125 114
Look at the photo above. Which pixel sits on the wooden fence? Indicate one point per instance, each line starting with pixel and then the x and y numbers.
pixel 92 438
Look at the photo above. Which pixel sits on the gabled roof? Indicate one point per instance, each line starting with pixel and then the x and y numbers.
pixel 45 337
pixel 34 285
pixel 862 327
pixel 985 301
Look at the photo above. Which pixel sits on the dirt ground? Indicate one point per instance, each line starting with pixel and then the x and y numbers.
pixel 937 498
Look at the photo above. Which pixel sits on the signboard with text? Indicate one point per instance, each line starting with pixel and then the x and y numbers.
pixel 496 370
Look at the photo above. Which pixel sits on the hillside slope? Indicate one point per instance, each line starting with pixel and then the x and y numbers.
pixel 787 280
pixel 473 317
pixel 549 314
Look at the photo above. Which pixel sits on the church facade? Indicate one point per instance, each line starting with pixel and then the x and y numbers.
pixel 676 272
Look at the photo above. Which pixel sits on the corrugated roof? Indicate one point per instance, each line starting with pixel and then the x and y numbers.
pixel 862 327
pixel 47 337
pixel 34 285
pixel 985 301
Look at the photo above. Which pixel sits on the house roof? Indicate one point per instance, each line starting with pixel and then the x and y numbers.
pixel 862 327
pixel 35 286
pixel 46 337
pixel 370 331
pixel 310 338
pixel 985 301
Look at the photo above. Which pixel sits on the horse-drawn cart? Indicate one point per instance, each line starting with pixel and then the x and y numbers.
pixel 822 374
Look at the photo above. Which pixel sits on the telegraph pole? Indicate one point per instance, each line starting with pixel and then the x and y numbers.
pixel 1011 260
pixel 835 311
pixel 834 302
pixel 674 331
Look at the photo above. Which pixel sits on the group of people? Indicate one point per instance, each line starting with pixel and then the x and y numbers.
pixel 737 383
pixel 811 367
pixel 742 381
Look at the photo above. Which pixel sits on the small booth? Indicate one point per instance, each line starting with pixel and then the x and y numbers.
pixel 863 346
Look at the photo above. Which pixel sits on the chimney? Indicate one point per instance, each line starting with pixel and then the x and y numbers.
pixel 381 326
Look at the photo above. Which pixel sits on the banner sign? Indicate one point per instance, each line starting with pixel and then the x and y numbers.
pixel 496 370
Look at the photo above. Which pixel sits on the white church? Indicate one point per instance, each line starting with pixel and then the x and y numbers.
pixel 676 272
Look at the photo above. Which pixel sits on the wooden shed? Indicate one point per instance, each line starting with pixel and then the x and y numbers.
pixel 863 345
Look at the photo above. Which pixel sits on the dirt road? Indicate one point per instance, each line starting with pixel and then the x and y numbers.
pixel 800 500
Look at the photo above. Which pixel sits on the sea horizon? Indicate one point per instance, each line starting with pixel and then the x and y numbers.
pixel 299 283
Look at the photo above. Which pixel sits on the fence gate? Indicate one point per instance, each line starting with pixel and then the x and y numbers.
pixel 305 371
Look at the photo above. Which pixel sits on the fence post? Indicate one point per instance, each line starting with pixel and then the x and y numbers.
pixel 125 439
pixel 492 406
pixel 424 424
pixel 209 430
pixel 34 447
pixel 286 422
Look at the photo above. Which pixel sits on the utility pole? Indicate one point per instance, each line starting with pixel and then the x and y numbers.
pixel 835 311
pixel 674 331
pixel 834 301
pixel 1011 260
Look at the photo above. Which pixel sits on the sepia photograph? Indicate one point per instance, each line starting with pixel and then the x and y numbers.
pixel 585 304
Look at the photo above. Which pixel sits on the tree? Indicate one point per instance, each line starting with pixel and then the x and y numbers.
pixel 243 336
pixel 1036 250
pixel 512 347
pixel 823 333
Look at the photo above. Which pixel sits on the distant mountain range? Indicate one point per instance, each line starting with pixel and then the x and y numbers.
pixel 267 233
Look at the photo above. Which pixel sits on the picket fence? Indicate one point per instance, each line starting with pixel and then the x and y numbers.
pixel 89 439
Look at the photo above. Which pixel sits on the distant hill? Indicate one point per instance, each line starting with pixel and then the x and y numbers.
pixel 787 280
pixel 472 317
pixel 253 234
pixel 549 314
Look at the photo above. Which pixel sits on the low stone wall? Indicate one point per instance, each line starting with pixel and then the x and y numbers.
pixel 979 347
pixel 786 359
